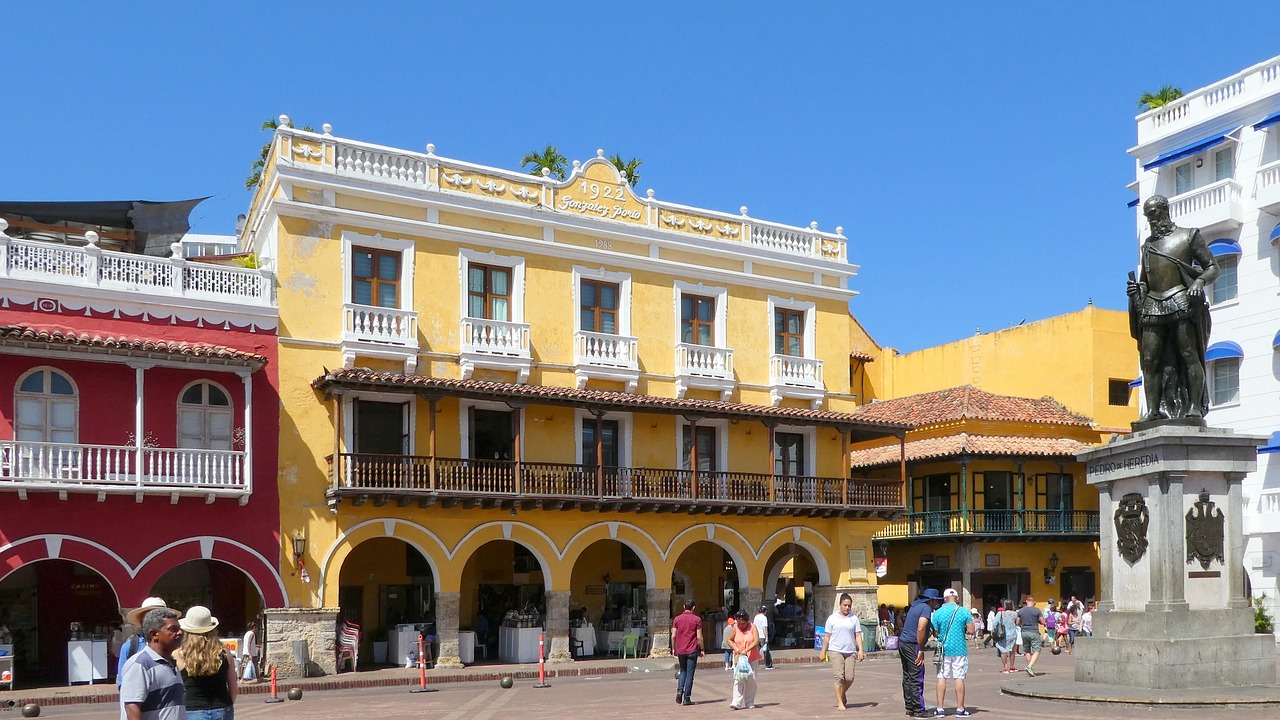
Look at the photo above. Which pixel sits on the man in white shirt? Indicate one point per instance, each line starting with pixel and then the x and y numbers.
pixel 761 621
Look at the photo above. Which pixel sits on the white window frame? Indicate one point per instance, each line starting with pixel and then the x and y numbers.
pixel 206 410
pixel 1230 261
pixel 376 241
pixel 1213 382
pixel 48 399
pixel 1191 177
pixel 720 295
pixel 624 421
pixel 464 424
pixel 514 263
pixel 1230 152
pixel 810 446
pixel 621 279
pixel 722 442
pixel 810 310
pixel 349 417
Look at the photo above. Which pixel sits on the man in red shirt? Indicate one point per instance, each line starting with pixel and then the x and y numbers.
pixel 686 641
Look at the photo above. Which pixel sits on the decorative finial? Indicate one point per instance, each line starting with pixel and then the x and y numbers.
pixel 546 172
pixel 649 193
pixel 743 210
pixel 599 152
pixel 176 249
pixel 840 230
pixel 327 128
pixel 91 236
pixel 431 148
pixel 576 164
pixel 4 225
pixel 283 121
pixel 813 225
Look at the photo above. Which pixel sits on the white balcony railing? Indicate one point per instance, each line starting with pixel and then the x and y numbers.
pixel 1244 88
pixel 704 361
pixel 495 337
pixel 1267 187
pixel 63 466
pixel 390 326
pixel 91 266
pixel 603 350
pixel 795 371
pixel 1208 206
pixel 1263 516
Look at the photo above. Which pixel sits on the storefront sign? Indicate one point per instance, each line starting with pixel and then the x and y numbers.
pixel 882 566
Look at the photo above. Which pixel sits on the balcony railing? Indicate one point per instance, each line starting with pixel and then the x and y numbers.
pixel 389 326
pixel 704 361
pixel 94 267
pixel 63 466
pixel 1244 88
pixel 1263 515
pixel 495 337
pixel 1208 206
pixel 371 473
pixel 1267 187
pixel 992 522
pixel 795 371
pixel 604 350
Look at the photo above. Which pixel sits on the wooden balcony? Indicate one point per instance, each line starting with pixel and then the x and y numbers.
pixel 1024 524
pixel 508 484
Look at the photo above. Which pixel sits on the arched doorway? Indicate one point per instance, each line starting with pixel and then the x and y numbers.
pixel 224 589
pixel 608 597
pixel 503 586
pixel 387 587
pixel 707 572
pixel 47 604
pixel 791 576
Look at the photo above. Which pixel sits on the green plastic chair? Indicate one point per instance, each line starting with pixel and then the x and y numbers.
pixel 629 644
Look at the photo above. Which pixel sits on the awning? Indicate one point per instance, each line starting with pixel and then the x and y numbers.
pixel 1222 351
pixel 1132 203
pixel 1271 119
pixel 1272 446
pixel 1275 234
pixel 1135 383
pixel 1275 341
pixel 1188 150
pixel 1225 246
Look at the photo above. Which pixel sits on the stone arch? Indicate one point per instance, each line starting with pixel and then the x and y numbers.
pixel 54 546
pixel 261 572
pixel 532 538
pixel 729 539
pixel 640 541
pixel 416 536
pixel 814 543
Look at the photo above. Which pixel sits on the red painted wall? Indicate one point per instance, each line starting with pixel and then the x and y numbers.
pixel 119 524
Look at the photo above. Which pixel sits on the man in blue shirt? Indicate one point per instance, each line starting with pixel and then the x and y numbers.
pixel 952 624
pixel 915 631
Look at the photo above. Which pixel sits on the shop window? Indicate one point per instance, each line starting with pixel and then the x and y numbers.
pixel 204 417
pixel 46 408
pixel 1225 381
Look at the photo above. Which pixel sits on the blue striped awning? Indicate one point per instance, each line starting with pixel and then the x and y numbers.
pixel 1135 383
pixel 1275 234
pixel 1188 150
pixel 1275 341
pixel 1272 446
pixel 1271 119
pixel 1133 203
pixel 1223 350
pixel 1225 246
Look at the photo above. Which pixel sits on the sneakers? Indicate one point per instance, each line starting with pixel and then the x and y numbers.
pixel 940 713
pixel 687 701
pixel 1031 672
pixel 962 712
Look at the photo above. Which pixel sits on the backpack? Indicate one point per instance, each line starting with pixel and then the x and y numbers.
pixel 997 630
pixel 1051 620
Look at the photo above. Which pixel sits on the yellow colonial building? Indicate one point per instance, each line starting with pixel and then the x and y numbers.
pixel 514 404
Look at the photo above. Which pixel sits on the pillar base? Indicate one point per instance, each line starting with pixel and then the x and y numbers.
pixel 449 662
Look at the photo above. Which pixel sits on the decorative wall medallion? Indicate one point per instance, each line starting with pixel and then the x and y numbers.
pixel 671 220
pixel 728 230
pixel 308 151
pixel 48 305
pixel 457 180
pixel 1206 529
pixel 700 225
pixel 1131 520
pixel 490 186
pixel 524 193
pixel 830 248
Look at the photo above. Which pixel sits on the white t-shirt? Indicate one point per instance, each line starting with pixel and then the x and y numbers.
pixel 249 645
pixel 1086 622
pixel 761 621
pixel 841 629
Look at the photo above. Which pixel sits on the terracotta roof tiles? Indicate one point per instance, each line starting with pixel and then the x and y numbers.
pixel 969 403
pixel 50 337
pixel 967 444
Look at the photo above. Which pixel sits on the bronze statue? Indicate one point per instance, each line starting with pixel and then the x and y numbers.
pixel 1169 316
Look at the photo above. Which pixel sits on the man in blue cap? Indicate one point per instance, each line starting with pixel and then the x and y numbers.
pixel 915 631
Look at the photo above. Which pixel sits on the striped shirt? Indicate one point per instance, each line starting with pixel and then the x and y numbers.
pixel 154 685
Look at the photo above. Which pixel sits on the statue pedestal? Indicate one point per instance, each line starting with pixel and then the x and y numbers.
pixel 1173 612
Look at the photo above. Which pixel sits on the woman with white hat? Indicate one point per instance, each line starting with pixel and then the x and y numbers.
pixel 208 672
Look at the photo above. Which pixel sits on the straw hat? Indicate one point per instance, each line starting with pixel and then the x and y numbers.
pixel 198 620
pixel 135 615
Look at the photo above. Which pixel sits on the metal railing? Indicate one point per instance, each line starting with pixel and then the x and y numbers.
pixel 373 472
pixel 63 465
pixel 992 522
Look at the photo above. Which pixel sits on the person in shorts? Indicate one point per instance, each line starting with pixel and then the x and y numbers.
pixel 1031 623
pixel 952 624
pixel 842 645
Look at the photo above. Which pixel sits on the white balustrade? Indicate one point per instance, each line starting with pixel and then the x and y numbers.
pixel 36 464
pixel 1267 186
pixel 366 323
pixel 1221 194
pixel 1242 89
pixel 495 337
pixel 795 241
pixel 704 361
pixel 381 163
pixel 592 348
pixel 90 266
pixel 796 371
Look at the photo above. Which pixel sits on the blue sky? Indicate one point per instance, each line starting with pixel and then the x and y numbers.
pixel 973 152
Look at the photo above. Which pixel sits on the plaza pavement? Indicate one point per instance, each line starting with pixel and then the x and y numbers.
pixel 798 687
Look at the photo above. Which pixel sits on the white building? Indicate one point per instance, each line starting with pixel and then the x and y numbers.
pixel 1215 153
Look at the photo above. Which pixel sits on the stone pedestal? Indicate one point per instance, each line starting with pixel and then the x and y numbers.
pixel 317 626
pixel 659 619
pixel 1172 612
pixel 557 632
pixel 447 605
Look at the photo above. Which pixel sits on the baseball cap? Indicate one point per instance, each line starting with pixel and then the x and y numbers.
pixel 1050 601
pixel 950 592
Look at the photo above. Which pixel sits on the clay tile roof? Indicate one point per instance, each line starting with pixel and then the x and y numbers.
pixel 967 444
pixel 969 403
pixel 862 356
pixel 556 395
pixel 48 337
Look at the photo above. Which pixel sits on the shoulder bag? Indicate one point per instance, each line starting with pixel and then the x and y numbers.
pixel 940 654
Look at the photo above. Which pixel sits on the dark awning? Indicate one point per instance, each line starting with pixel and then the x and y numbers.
pixel 157 224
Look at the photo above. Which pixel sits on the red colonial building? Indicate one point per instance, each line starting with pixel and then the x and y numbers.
pixel 139 417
